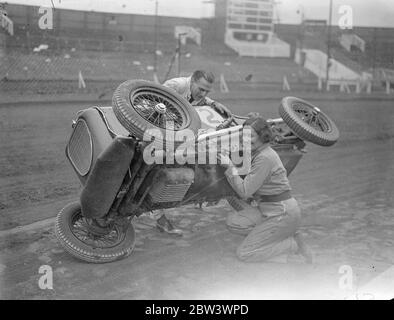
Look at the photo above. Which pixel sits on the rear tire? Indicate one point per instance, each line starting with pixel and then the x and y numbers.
pixel 308 122
pixel 76 240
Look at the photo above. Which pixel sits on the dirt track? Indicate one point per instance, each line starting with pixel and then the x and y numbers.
pixel 345 192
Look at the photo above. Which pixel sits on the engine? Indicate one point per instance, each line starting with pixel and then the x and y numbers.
pixel 170 185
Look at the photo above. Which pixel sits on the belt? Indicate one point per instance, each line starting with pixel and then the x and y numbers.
pixel 286 195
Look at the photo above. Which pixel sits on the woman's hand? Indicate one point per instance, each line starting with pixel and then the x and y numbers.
pixel 224 160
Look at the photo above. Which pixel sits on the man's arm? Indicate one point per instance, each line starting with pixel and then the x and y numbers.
pixel 217 106
pixel 177 84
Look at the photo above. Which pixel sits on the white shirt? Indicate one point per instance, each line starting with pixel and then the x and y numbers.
pixel 182 87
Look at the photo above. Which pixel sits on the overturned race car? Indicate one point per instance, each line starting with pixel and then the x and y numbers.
pixel 152 150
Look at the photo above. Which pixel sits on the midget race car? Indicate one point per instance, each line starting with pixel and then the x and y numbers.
pixel 152 150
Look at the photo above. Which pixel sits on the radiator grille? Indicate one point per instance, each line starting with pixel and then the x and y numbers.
pixel 169 193
pixel 79 148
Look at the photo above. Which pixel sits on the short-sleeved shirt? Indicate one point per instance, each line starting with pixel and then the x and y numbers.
pixel 267 175
pixel 182 87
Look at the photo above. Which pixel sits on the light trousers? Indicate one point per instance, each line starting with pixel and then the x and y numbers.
pixel 269 228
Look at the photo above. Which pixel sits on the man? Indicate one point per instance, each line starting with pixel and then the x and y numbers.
pixel 194 89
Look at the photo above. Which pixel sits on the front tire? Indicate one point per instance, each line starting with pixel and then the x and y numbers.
pixel 73 234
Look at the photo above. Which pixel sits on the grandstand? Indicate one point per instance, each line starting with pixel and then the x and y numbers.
pixel 109 48
pixel 372 61
pixel 379 44
pixel 107 55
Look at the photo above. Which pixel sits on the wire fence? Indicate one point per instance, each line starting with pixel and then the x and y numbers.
pixel 60 65
pixel 56 65
pixel 49 66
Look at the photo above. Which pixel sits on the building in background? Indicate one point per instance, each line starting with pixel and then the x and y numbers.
pixel 249 28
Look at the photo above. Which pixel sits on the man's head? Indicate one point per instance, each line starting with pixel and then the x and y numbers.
pixel 201 84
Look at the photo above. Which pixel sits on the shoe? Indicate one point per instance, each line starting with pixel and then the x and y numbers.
pixel 211 203
pixel 303 248
pixel 198 205
pixel 164 225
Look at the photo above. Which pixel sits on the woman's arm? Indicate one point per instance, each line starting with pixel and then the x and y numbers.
pixel 245 188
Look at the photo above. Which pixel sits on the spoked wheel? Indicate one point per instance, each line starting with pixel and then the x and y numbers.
pixel 142 105
pixel 104 245
pixel 308 122
pixel 159 110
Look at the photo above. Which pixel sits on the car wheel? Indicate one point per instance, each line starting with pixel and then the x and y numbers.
pixel 73 234
pixel 308 122
pixel 141 105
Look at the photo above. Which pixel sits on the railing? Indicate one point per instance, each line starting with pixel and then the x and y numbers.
pixel 26 44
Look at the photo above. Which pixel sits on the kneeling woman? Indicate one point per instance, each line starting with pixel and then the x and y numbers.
pixel 271 228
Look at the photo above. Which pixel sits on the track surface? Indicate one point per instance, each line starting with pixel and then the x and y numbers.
pixel 345 192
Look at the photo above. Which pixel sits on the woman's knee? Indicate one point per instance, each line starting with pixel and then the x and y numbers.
pixel 240 224
pixel 242 254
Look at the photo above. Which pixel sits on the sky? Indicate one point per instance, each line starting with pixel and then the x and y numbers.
pixel 373 13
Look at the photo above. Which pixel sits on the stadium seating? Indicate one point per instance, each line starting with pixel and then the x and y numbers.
pixel 107 57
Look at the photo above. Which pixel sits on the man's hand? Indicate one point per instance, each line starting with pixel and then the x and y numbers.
pixel 221 109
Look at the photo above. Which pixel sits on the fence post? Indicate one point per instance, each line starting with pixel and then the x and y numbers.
pixel 342 86
pixel 320 84
pixel 358 86
pixel 3 48
pixel 369 87
pixel 347 88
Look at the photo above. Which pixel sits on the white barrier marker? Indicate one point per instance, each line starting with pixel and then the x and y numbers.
pixel 81 82
pixel 286 86
pixel 223 84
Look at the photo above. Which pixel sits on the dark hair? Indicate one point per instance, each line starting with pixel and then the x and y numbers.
pixel 198 74
pixel 261 126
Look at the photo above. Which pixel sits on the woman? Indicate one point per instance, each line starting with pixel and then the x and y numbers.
pixel 271 228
